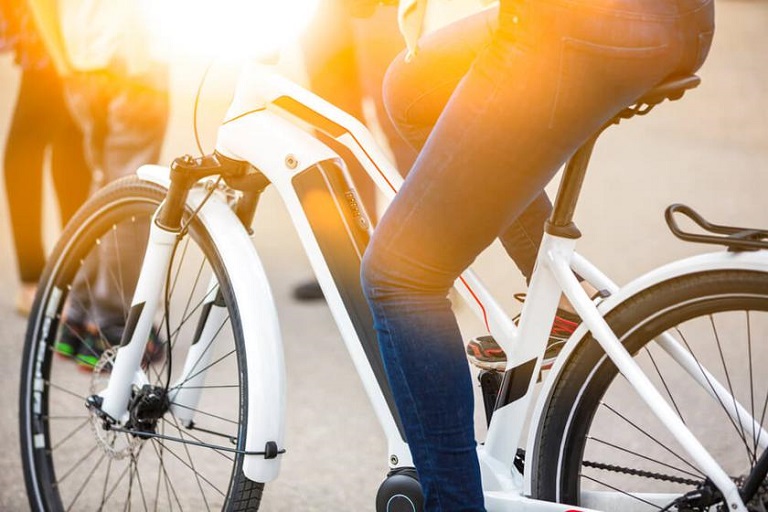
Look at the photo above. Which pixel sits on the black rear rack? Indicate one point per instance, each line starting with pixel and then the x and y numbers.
pixel 735 238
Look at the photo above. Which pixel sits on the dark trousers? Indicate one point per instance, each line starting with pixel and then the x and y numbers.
pixel 41 122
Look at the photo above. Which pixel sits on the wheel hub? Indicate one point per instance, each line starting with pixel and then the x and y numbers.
pixel 146 407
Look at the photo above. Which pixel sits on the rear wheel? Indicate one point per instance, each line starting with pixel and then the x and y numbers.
pixel 71 461
pixel 600 446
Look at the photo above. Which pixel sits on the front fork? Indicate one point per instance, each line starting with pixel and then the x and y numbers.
pixel 165 231
pixel 126 369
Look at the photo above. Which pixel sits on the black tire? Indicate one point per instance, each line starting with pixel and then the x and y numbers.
pixel 70 461
pixel 597 434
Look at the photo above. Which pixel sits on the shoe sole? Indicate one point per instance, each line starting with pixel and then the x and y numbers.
pixel 64 350
pixel 501 366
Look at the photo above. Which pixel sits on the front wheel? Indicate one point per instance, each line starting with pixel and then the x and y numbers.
pixel 190 460
pixel 600 446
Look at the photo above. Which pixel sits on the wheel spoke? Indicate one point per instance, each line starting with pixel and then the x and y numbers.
pixel 63 390
pixel 192 465
pixel 222 358
pixel 118 280
pixel 750 454
pixel 630 495
pixel 649 436
pixel 76 465
pixel 199 440
pixel 739 431
pixel 86 481
pixel 198 411
pixel 138 480
pixel 200 358
pixel 640 455
pixel 155 440
pixel 70 435
pixel 664 383
pixel 169 488
pixel 106 484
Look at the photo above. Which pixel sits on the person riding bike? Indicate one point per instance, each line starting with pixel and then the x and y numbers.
pixel 495 103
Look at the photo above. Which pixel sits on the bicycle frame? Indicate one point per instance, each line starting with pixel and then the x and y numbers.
pixel 268 126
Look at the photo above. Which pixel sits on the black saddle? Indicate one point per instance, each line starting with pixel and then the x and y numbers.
pixel 672 89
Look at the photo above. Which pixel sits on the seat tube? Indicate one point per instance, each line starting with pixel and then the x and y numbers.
pixel 560 222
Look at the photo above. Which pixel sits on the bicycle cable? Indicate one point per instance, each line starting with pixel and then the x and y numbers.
pixel 167 298
pixel 185 226
pixel 197 103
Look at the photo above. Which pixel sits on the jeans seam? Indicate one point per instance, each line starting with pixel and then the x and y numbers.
pixel 417 99
pixel 534 246
pixel 399 369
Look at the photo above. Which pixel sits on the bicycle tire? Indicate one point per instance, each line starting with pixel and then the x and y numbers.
pixel 596 433
pixel 49 383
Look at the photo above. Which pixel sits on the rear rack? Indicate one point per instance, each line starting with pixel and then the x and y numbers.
pixel 735 238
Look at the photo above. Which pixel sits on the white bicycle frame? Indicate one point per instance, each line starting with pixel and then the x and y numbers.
pixel 268 125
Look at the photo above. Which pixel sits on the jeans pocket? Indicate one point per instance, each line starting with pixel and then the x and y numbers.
pixel 596 78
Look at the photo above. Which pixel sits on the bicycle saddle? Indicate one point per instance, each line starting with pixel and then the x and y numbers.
pixel 671 89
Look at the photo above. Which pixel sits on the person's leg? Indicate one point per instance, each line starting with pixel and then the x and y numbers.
pixel 86 97
pixel 123 126
pixel 137 118
pixel 416 94
pixel 69 167
pixel 529 100
pixel 28 137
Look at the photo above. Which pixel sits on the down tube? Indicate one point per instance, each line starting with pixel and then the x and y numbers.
pixel 341 229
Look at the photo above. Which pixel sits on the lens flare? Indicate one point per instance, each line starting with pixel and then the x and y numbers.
pixel 228 29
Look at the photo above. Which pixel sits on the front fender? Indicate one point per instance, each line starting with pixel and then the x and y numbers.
pixel 723 260
pixel 258 317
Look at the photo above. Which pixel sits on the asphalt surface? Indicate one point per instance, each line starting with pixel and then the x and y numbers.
pixel 709 150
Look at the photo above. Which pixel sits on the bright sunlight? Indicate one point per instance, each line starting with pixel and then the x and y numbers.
pixel 227 29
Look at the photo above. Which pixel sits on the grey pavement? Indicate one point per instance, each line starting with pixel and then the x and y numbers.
pixel 709 150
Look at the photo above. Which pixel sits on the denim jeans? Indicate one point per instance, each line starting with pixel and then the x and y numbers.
pixel 499 102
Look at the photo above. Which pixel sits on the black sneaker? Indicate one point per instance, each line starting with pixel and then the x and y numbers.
pixel 486 354
pixel 93 344
pixel 308 291
pixel 69 338
pixel 97 341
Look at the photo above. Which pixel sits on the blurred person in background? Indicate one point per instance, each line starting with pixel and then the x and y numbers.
pixel 41 123
pixel 118 94
pixel 345 57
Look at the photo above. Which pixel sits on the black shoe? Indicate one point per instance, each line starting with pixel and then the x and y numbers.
pixel 97 341
pixel 308 291
pixel 69 338
pixel 485 353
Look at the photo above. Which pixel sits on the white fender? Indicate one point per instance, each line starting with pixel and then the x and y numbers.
pixel 722 260
pixel 258 317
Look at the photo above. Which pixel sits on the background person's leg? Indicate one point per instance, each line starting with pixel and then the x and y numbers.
pixel 28 138
pixel 136 123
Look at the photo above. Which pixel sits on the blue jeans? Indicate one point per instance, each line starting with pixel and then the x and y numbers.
pixel 497 102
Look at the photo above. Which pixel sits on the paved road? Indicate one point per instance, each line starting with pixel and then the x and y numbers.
pixel 710 151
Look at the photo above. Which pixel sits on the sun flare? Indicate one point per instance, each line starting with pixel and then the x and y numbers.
pixel 233 29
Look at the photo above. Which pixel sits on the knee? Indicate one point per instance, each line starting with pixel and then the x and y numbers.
pixel 397 97
pixel 372 272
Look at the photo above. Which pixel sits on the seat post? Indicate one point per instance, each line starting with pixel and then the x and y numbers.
pixel 560 223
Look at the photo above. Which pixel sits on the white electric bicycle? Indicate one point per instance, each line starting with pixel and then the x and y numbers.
pixel 657 402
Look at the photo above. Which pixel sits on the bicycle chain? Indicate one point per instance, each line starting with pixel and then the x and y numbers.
pixel 638 472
